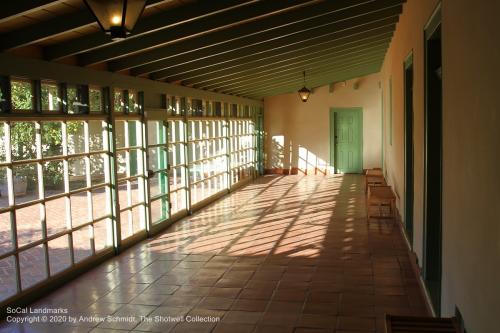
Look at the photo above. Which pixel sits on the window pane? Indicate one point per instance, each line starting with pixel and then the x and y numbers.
pixel 52 139
pixel 177 178
pixel 118 101
pixel 51 101
pixel 76 139
pixel 79 209
pixel 4 191
pixel 53 177
pixel 95 100
pixel 138 216
pixel 178 200
pixel 59 254
pixel 126 224
pixel 32 266
pixel 22 95
pixel 77 102
pixel 121 161
pixel 133 102
pixel 97 171
pixel 5 233
pixel 135 162
pixel 123 195
pixel 137 191
pixel 8 286
pixel 159 210
pixel 96 130
pixel 103 234
pixel 120 133
pixel 134 133
pixel 157 158
pixel 3 147
pixel 25 183
pixel 100 203
pixel 77 174
pixel 28 224
pixel 55 214
pixel 23 142
pixel 81 243
pixel 158 184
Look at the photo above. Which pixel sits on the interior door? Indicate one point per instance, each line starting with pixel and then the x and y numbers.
pixel 347 139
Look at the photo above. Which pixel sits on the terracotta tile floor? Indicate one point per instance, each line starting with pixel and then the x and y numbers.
pixel 283 254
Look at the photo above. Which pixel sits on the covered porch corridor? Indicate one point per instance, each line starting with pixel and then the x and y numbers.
pixel 282 254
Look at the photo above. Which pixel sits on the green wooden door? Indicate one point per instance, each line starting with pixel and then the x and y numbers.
pixel 346 143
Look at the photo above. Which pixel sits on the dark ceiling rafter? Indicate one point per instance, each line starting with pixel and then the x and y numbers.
pixel 246 34
pixel 165 19
pixel 224 22
pixel 12 9
pixel 254 44
pixel 52 27
pixel 219 65
pixel 277 71
pixel 311 71
pixel 293 62
pixel 247 48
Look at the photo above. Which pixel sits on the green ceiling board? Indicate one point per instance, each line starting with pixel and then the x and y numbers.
pixel 297 72
pixel 49 28
pixel 169 18
pixel 207 74
pixel 198 29
pixel 272 70
pixel 218 43
pixel 297 79
pixel 325 80
pixel 300 46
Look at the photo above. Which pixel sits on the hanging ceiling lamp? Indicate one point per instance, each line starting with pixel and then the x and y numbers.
pixel 116 17
pixel 304 92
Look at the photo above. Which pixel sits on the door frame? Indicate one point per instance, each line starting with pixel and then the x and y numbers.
pixel 409 148
pixel 430 28
pixel 333 144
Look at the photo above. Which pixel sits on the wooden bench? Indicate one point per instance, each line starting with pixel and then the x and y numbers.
pixel 374 181
pixel 374 177
pixel 381 196
pixel 405 324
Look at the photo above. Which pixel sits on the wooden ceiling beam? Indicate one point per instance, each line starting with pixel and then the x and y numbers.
pixel 276 28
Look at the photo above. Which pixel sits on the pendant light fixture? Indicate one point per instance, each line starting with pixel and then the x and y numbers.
pixel 117 18
pixel 304 92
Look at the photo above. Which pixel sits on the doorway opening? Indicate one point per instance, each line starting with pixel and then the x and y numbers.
pixel 433 161
pixel 408 119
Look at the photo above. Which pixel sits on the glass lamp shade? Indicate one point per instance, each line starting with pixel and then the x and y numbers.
pixel 304 94
pixel 116 17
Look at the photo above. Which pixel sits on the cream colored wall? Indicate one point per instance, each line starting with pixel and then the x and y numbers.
pixel 471 155
pixel 471 162
pixel 306 126
pixel 407 38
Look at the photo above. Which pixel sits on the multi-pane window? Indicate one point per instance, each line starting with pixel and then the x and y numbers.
pixel 75 181
pixel 242 145
pixel 178 165
pixel 158 170
pixel 130 172
pixel 54 198
pixel 207 158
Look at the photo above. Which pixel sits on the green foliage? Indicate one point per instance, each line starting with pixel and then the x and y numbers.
pixel 22 95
